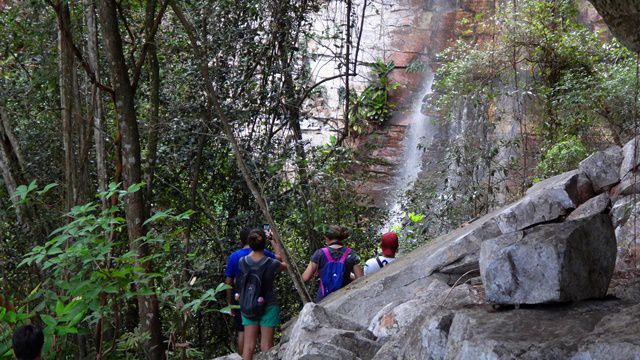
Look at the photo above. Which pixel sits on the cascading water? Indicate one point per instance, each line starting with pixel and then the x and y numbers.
pixel 418 135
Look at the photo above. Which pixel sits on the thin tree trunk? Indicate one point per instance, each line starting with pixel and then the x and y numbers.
pixel 132 170
pixel 66 62
pixel 96 98
pixel 82 124
pixel 95 106
pixel 213 103
pixel 347 70
pixel 154 100
pixel 10 165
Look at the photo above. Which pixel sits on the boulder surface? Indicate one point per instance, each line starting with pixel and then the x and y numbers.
pixel 567 261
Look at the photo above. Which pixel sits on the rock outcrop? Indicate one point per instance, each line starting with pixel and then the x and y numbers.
pixel 562 262
pixel 603 167
pixel 555 245
pixel 623 18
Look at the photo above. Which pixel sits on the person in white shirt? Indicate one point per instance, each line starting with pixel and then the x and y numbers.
pixel 389 245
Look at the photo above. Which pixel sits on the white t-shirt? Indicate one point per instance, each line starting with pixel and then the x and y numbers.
pixel 372 265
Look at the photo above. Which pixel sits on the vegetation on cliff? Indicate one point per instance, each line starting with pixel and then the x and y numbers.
pixel 523 94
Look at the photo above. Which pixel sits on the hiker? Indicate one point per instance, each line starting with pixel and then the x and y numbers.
pixel 232 271
pixel 27 342
pixel 257 297
pixel 389 246
pixel 334 263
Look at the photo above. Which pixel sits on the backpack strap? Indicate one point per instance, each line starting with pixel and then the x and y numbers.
pixel 327 254
pixel 380 263
pixel 344 256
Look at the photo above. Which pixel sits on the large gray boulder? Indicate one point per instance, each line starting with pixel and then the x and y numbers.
pixel 397 318
pixel 321 334
pixel 603 167
pixel 593 206
pixel 568 332
pixel 631 157
pixel 575 183
pixel 629 184
pixel 622 209
pixel 559 262
pixel 546 201
pixel 624 216
pixel 614 337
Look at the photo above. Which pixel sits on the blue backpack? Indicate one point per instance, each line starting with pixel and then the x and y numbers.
pixel 332 274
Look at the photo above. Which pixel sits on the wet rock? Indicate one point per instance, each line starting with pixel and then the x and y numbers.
pixel 593 206
pixel 603 167
pixel 550 263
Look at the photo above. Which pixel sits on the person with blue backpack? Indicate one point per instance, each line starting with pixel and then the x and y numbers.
pixel 334 263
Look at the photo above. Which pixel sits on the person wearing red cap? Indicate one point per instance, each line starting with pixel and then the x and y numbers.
pixel 389 245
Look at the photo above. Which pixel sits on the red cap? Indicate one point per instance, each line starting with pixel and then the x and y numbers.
pixel 389 244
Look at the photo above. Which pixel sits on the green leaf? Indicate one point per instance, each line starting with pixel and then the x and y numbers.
pixel 47 188
pixel 49 320
pixel 60 308
pixel 222 287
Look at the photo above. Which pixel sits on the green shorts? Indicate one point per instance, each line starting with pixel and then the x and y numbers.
pixel 270 318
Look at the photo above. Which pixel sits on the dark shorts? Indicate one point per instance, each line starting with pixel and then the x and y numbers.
pixel 237 320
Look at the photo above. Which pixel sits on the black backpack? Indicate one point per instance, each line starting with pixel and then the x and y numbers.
pixel 253 287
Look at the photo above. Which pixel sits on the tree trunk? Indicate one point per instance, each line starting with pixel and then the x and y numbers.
pixel 131 166
pixel 214 104
pixel 11 166
pixel 95 100
pixel 154 100
pixel 66 64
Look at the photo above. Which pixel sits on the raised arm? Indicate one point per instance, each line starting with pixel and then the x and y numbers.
pixel 276 248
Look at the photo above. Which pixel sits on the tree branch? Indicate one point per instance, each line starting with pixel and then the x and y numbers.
pixel 57 7
pixel 147 43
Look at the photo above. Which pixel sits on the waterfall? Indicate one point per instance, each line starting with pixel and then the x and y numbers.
pixel 418 136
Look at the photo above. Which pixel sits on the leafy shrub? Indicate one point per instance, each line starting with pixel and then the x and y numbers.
pixel 563 156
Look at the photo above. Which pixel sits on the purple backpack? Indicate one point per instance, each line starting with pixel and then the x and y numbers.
pixel 332 274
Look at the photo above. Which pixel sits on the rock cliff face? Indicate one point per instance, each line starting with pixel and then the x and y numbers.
pixel 554 250
pixel 623 18
pixel 402 31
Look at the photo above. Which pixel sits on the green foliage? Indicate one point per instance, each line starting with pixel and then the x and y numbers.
pixel 372 106
pixel 563 156
pixel 566 89
pixel 90 273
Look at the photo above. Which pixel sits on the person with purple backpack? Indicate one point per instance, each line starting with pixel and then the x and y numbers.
pixel 334 263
